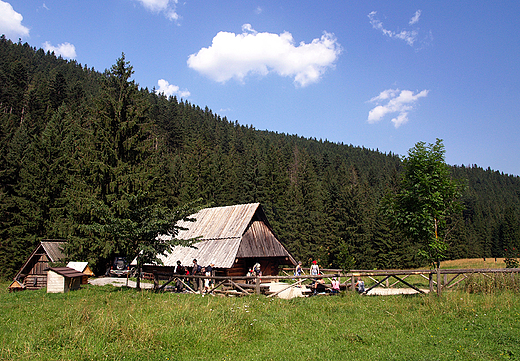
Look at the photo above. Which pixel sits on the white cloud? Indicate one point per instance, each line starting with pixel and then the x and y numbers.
pixel 258 10
pixel 395 101
pixel 409 36
pixel 168 7
pixel 66 50
pixel 415 18
pixel 170 89
pixel 234 56
pixel 11 22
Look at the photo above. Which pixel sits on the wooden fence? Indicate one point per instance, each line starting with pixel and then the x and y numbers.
pixel 438 280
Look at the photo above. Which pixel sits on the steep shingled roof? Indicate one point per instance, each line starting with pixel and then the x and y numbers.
pixel 54 250
pixel 219 222
pixel 226 233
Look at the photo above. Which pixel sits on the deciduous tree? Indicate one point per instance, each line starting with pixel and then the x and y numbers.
pixel 427 199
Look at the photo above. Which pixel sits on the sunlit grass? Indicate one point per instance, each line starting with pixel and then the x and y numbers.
pixel 99 323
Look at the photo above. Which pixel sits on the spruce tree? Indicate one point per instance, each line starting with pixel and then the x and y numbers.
pixel 116 160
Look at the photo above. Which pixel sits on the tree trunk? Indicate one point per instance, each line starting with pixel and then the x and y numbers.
pixel 138 281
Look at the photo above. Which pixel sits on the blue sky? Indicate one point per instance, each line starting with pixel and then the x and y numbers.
pixel 379 74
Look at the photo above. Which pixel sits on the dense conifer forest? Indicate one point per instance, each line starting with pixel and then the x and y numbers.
pixel 72 137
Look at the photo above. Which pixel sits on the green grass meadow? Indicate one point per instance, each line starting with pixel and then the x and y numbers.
pixel 109 323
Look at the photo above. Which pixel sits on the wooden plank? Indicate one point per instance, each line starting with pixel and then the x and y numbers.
pixel 240 288
pixel 408 284
pixel 462 279
pixel 377 284
pixel 393 284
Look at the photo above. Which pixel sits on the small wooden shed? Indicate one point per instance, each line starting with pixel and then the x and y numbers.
pixel 16 286
pixel 83 268
pixel 63 279
pixel 33 275
pixel 233 238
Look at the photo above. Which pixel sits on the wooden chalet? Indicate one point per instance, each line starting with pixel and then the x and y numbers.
pixel 233 238
pixel 63 279
pixel 33 274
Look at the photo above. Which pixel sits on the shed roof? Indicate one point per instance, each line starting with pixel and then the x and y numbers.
pixel 78 266
pixel 66 272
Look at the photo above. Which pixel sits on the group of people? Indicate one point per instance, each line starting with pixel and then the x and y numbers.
pixel 318 285
pixel 195 270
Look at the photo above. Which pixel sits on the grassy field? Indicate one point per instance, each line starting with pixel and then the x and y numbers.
pixel 478 263
pixel 108 323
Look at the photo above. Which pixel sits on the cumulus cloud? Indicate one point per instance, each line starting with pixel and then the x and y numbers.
pixel 170 89
pixel 394 101
pixel 11 22
pixel 234 56
pixel 66 50
pixel 409 36
pixel 167 7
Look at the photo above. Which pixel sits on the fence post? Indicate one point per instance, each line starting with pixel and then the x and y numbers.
pixel 155 280
pixel 257 285
pixel 430 281
pixel 438 281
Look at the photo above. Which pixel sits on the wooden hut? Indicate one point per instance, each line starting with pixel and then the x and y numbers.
pixel 233 238
pixel 63 279
pixel 33 275
pixel 83 268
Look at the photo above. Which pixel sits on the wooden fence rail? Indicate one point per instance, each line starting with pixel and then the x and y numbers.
pixel 443 279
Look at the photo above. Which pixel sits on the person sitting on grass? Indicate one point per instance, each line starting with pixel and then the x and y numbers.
pixel 335 285
pixel 360 285
pixel 319 286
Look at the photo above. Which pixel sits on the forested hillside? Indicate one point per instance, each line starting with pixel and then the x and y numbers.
pixel 72 137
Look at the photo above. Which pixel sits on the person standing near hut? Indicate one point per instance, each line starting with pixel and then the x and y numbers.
pixel 256 269
pixel 208 272
pixel 299 270
pixel 315 269
pixel 196 271
pixel 181 271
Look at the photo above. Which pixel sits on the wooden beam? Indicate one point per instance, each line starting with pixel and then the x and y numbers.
pixel 462 279
pixel 240 288
pixel 393 284
pixel 408 284
pixel 377 284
